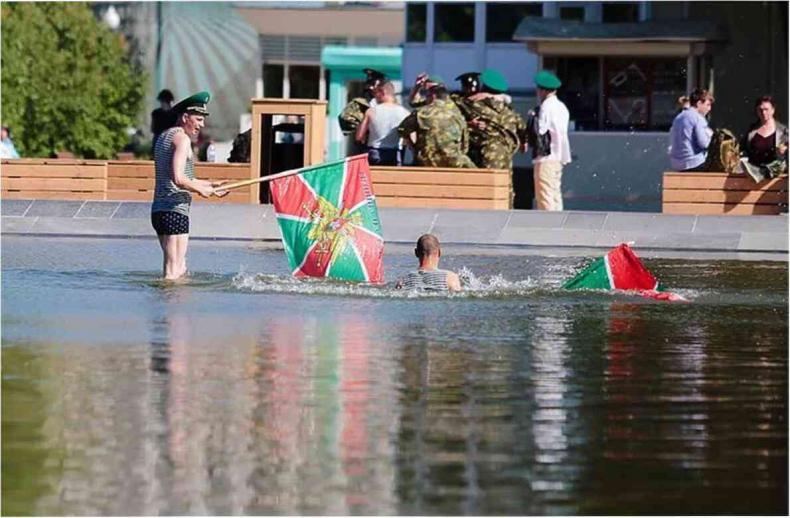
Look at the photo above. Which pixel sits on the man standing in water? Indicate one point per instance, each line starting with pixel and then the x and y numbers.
pixel 175 178
pixel 428 276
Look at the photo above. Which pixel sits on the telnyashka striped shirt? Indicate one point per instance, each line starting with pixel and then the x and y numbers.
pixel 434 280
pixel 167 195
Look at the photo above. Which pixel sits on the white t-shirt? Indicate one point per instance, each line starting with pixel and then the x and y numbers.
pixel 554 118
pixel 383 125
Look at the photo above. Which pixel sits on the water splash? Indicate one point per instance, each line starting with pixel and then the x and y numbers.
pixel 473 286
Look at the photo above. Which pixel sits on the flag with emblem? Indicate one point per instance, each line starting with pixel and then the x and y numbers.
pixel 329 221
pixel 620 269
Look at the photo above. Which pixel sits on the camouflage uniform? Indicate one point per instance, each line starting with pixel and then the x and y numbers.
pixel 442 137
pixel 352 114
pixel 505 130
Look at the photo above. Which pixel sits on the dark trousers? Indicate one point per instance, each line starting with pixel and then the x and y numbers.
pixel 384 156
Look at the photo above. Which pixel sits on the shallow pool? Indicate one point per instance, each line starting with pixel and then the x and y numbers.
pixel 246 392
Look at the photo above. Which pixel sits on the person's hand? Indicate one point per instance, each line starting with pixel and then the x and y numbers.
pixel 479 96
pixel 421 79
pixel 205 190
pixel 219 193
pixel 782 149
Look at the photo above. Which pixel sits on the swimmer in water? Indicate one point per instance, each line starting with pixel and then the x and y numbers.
pixel 428 276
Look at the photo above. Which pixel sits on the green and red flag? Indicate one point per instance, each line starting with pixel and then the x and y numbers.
pixel 620 269
pixel 329 221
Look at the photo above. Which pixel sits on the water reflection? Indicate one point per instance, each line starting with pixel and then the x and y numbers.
pixel 269 416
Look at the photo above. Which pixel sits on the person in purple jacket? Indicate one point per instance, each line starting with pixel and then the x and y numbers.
pixel 690 135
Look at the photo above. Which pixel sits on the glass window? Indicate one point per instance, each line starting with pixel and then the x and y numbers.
pixel 454 22
pixel 304 81
pixel 580 89
pixel 620 12
pixel 503 18
pixel 416 19
pixel 669 83
pixel 273 81
pixel 572 13
pixel 640 93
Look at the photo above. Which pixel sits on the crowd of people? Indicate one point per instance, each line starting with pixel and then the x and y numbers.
pixel 761 152
pixel 473 127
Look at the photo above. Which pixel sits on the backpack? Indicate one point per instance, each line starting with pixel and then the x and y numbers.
pixel 723 152
pixel 539 144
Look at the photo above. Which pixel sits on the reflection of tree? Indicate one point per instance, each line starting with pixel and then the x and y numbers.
pixel 28 470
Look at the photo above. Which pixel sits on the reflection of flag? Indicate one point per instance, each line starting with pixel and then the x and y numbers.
pixel 620 269
pixel 329 221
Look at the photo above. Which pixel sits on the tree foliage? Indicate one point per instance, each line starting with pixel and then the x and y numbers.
pixel 67 82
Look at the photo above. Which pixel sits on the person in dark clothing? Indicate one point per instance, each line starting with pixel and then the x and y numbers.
pixel 765 144
pixel 241 147
pixel 162 118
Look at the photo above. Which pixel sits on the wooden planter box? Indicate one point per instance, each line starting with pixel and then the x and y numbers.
pixel 441 188
pixel 68 179
pixel 54 179
pixel 720 193
pixel 134 181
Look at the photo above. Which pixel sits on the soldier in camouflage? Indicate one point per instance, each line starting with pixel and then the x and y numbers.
pixel 496 131
pixel 354 111
pixel 442 138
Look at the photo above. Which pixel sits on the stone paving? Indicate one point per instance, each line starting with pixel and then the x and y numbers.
pixel 714 235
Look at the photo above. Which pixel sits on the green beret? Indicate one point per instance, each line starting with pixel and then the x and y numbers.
pixel 493 80
pixel 194 104
pixel 547 80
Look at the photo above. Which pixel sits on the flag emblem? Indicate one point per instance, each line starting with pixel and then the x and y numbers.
pixel 329 221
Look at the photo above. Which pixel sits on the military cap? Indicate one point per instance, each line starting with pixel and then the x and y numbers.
pixel 545 79
pixel 493 80
pixel 194 104
pixel 467 76
pixel 374 75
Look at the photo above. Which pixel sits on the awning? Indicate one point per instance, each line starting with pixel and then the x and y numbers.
pixel 552 36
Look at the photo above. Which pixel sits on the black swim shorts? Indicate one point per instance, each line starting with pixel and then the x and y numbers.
pixel 170 223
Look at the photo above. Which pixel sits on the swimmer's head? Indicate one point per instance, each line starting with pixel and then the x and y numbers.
pixel 427 245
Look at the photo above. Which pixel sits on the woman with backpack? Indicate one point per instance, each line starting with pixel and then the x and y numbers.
pixel 765 144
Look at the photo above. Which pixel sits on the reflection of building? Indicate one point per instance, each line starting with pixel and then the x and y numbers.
pixel 623 65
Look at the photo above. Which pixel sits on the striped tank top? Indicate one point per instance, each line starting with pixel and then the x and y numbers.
pixel 167 195
pixel 433 280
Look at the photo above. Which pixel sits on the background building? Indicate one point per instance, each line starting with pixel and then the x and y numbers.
pixel 623 65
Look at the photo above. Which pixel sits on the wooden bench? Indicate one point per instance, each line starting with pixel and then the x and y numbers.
pixel 54 179
pixel 441 188
pixel 720 193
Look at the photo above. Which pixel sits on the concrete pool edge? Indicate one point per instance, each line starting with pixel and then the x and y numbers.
pixel 715 236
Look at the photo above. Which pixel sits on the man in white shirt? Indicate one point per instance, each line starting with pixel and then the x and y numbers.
pixel 379 127
pixel 553 119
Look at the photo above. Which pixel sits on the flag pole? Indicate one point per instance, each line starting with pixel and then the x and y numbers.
pixel 244 183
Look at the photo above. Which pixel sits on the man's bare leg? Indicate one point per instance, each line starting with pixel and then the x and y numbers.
pixel 174 255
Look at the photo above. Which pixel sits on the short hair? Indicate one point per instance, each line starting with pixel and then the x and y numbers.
pixel 428 244
pixel 387 88
pixel 166 96
pixel 699 95
pixel 439 91
pixel 765 99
